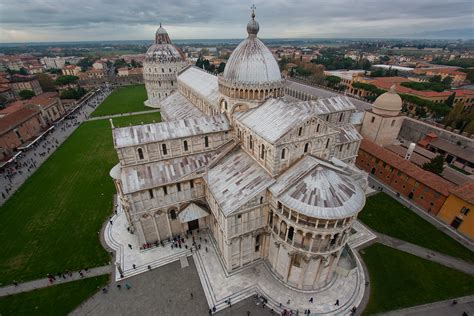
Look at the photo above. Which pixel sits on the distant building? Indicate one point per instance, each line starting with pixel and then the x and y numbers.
pixel 20 82
pixel 100 65
pixel 347 76
pixel 458 77
pixel 424 188
pixel 458 210
pixel 71 70
pixel 382 123
pixel 58 62
pixel 455 155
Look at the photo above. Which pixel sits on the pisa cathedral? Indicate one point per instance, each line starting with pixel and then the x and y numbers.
pixel 267 170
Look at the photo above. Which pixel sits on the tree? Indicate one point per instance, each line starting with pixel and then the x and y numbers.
pixel 73 93
pixel 67 79
pixel 332 81
pixel 450 100
pixel 85 63
pixel 447 81
pixel 436 78
pixel 221 68
pixel 46 83
pixel 26 94
pixel 436 165
pixel 119 63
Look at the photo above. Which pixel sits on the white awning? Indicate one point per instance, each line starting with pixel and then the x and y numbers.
pixel 192 212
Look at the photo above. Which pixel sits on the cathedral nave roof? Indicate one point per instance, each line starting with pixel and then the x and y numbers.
pixel 202 82
pixel 155 132
pixel 178 107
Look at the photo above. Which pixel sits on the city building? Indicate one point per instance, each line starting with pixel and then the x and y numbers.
pixel 19 127
pixel 20 82
pixel 162 62
pixel 424 188
pixel 49 104
pixel 458 210
pixel 382 123
pixel 455 155
pixel 270 176
pixel 71 70
pixel 58 62
pixel 100 65
pixel 458 77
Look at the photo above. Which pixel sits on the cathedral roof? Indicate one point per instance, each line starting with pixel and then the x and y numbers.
pixel 155 132
pixel 333 104
pixel 236 179
pixel 202 82
pixel 275 118
pixel 319 189
pixel 252 62
pixel 177 107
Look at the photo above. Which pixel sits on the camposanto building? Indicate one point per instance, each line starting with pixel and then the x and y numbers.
pixel 270 175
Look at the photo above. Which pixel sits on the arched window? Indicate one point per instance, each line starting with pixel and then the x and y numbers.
pixel 170 69
pixel 291 232
pixel 306 147
pixel 341 116
pixel 327 143
pixel 393 123
pixel 283 153
pixel 251 142
pixel 206 141
pixel 300 131
pixel 162 69
pixel 140 153
pixel 317 128
pixel 173 214
pixel 185 144
pixel 261 200
pixel 164 149
pixel 171 82
pixel 373 119
pixel 262 151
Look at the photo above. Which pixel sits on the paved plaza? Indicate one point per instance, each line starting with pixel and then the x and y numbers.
pixel 348 286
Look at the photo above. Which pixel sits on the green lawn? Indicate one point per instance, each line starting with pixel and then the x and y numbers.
pixel 52 223
pixel 385 215
pixel 56 300
pixel 123 100
pixel 399 280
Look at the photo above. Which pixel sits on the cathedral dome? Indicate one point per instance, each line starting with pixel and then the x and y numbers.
pixel 252 62
pixel 388 103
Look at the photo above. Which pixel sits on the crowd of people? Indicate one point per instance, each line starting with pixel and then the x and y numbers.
pixel 29 159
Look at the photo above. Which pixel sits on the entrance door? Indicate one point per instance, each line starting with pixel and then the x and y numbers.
pixel 193 224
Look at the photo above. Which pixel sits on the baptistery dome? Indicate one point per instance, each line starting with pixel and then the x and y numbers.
pixel 252 68
pixel 163 61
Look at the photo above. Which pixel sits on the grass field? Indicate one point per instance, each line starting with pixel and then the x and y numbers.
pixel 400 280
pixel 52 223
pixel 385 215
pixel 123 100
pixel 56 300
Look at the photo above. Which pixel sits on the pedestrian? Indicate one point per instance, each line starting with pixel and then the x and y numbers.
pixel 311 300
pixel 149 267
pixel 192 296
pixel 110 222
pixel 288 303
pixel 337 303
pixel 129 246
pixel 210 311
pixel 134 266
pixel 119 286
pixel 81 274
pixel 248 313
pixel 128 286
pixel 214 308
pixel 206 249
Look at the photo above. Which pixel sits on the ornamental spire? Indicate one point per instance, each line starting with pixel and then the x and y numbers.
pixel 253 7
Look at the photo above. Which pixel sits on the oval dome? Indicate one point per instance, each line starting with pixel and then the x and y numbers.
pixel 325 193
pixel 388 103
pixel 252 62
pixel 164 53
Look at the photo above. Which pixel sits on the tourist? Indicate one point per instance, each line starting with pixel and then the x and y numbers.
pixel 134 266
pixel 311 300
pixel 337 303
pixel 119 286
pixel 192 296
pixel 129 246
pixel 127 286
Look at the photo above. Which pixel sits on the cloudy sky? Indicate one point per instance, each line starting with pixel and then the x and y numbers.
pixel 73 20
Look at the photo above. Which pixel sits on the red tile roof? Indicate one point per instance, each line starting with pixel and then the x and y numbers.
pixel 16 118
pixel 465 192
pixel 427 178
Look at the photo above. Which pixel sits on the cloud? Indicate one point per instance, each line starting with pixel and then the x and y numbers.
pixel 59 20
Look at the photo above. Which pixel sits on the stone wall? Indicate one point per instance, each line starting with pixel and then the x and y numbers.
pixel 415 130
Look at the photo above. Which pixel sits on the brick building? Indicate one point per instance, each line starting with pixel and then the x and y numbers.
pixel 20 82
pixel 424 188
pixel 18 127
pixel 48 103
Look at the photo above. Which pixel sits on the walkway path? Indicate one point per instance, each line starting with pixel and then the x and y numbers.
pixel 42 283
pixel 426 254
pixel 441 308
pixel 448 230
pixel 122 114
